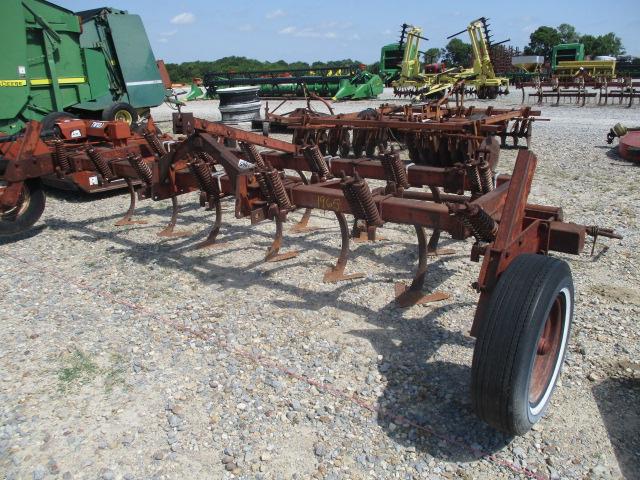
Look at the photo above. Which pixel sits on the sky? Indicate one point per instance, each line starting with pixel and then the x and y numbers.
pixel 185 30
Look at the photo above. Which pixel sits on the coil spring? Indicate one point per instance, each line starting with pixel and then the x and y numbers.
pixel 253 155
pixel 394 170
pixel 276 188
pixel 100 163
pixel 360 199
pixel 593 230
pixel 474 179
pixel 483 226
pixel 143 170
pixel 202 172
pixel 156 144
pixel 264 187
pixel 316 161
pixel 486 177
pixel 352 199
pixel 61 155
pixel 207 158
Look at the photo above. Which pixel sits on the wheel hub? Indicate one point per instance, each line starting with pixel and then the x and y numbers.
pixel 547 352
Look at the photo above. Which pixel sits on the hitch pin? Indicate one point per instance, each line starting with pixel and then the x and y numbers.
pixel 595 232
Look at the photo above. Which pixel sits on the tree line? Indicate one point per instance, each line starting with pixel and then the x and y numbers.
pixel 541 42
pixel 456 52
pixel 187 71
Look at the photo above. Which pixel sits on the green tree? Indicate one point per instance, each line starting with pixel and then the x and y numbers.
pixel 457 53
pixel 542 40
pixel 185 72
pixel 432 55
pixel 568 33
pixel 608 44
pixel 589 42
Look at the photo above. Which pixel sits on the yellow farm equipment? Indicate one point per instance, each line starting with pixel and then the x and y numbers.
pixel 480 79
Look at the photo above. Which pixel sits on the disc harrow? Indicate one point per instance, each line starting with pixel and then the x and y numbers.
pixel 458 194
pixel 434 134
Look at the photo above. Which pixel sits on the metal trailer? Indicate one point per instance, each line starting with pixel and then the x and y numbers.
pixel 94 64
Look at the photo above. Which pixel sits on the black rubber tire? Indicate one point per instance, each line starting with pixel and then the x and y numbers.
pixel 508 342
pixel 50 119
pixel 141 127
pixel 111 112
pixel 15 222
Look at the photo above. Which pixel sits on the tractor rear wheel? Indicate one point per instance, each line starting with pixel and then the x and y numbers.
pixel 120 112
pixel 522 343
pixel 26 212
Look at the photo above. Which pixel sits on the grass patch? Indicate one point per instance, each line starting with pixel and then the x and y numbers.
pixel 79 369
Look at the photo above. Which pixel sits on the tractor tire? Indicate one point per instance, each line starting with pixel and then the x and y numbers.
pixel 121 112
pixel 27 212
pixel 49 121
pixel 522 342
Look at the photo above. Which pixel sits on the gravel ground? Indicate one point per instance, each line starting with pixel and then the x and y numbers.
pixel 125 355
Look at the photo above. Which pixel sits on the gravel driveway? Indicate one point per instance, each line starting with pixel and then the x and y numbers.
pixel 128 356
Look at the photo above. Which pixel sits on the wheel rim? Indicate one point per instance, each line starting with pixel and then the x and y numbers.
pixel 549 352
pixel 123 116
pixel 11 214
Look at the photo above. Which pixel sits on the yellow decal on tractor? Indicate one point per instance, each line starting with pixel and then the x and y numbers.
pixel 13 83
pixel 61 81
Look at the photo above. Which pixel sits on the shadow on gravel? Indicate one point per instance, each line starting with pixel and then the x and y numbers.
pixel 612 153
pixel 426 404
pixel 433 395
pixel 618 400
pixel 32 232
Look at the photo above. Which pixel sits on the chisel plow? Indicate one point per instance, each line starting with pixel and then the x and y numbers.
pixel 525 296
pixel 581 91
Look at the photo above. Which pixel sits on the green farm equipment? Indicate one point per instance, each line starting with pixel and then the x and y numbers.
pixel 196 92
pixel 325 82
pixel 92 64
pixel 568 61
pixel 391 62
pixel 362 85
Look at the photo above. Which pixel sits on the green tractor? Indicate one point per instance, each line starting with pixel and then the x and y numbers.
pixel 92 64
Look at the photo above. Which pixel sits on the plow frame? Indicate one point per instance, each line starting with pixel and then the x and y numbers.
pixel 505 226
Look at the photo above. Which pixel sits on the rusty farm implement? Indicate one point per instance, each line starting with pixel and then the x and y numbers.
pixel 413 127
pixel 525 307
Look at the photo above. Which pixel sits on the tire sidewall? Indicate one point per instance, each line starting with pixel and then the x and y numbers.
pixel 32 213
pixel 110 112
pixel 524 416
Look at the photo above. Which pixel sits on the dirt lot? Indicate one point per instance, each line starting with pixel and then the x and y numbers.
pixel 125 355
